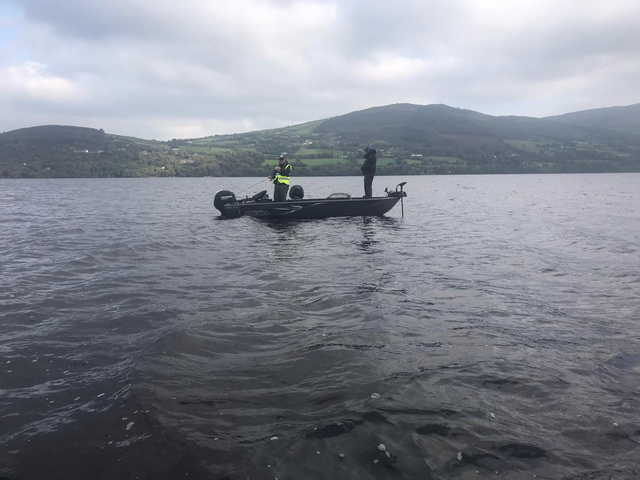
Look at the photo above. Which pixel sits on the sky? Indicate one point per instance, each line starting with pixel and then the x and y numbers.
pixel 164 69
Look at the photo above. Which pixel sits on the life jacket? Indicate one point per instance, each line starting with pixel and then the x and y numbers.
pixel 283 175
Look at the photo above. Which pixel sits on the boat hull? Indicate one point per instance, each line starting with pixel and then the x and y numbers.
pixel 313 208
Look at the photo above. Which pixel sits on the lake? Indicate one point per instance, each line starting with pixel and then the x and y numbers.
pixel 491 331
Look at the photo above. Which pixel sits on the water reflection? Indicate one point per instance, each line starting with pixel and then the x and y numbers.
pixel 369 230
pixel 285 228
pixel 372 228
pixel 283 237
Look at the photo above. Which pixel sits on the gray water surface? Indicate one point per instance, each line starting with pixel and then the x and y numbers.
pixel 490 332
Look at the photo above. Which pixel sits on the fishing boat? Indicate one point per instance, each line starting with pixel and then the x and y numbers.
pixel 335 205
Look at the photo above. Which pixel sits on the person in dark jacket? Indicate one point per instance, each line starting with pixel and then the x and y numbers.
pixel 280 178
pixel 369 170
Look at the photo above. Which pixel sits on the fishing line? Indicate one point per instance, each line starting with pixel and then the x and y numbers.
pixel 252 186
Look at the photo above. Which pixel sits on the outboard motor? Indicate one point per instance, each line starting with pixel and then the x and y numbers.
pixel 296 192
pixel 222 198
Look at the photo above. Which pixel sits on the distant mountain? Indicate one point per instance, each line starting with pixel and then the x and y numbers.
pixel 410 139
pixel 624 119
pixel 414 123
pixel 54 133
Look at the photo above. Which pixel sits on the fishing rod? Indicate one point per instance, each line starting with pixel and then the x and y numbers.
pixel 252 186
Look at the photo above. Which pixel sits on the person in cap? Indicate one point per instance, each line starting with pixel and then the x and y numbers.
pixel 280 178
pixel 369 170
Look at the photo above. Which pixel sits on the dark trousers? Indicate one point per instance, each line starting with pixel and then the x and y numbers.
pixel 368 182
pixel 280 192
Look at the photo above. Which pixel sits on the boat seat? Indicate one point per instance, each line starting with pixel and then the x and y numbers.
pixel 258 196
pixel 338 196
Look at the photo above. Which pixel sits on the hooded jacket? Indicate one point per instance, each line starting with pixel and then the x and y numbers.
pixel 370 159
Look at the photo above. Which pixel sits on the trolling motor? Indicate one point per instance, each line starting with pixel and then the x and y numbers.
pixel 398 192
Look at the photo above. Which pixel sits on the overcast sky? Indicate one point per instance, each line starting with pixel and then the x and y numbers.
pixel 162 69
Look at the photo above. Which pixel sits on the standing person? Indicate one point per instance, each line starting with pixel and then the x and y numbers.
pixel 369 170
pixel 280 178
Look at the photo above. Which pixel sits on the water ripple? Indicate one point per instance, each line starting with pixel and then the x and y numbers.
pixel 491 331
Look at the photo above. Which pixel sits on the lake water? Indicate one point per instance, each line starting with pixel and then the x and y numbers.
pixel 491 332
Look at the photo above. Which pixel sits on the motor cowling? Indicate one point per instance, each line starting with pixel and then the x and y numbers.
pixel 223 198
pixel 296 192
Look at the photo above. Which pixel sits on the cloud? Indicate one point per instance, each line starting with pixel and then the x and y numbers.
pixel 168 69
pixel 31 83
pixel 388 68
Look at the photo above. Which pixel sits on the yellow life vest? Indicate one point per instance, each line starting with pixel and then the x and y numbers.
pixel 283 177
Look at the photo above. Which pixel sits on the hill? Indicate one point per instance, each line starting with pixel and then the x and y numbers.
pixel 55 151
pixel 410 139
pixel 624 119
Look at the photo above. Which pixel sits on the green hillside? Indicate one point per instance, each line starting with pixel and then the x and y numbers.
pixel 625 119
pixel 410 139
